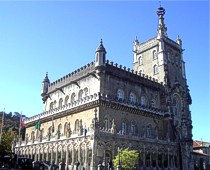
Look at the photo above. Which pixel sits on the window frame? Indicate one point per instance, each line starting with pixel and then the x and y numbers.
pixel 153 103
pixel 154 54
pixel 73 97
pixel 143 100
pixel 155 69
pixel 120 94
pixel 60 102
pixel 132 97
pixel 140 60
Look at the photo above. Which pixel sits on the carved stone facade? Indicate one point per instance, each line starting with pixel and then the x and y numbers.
pixel 103 106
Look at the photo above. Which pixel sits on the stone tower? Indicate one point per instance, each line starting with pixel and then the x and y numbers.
pixel 45 84
pixel 162 58
pixel 100 55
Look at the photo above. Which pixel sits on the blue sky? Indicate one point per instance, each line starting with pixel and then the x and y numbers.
pixel 60 36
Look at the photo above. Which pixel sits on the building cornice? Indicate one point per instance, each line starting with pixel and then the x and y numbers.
pixel 93 101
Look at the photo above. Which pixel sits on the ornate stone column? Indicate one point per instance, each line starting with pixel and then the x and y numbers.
pixel 72 163
pixel 56 155
pixel 51 155
pixel 93 164
pixel 34 154
pixel 143 159
pixel 168 159
pixel 173 165
pixel 67 157
pixel 79 155
pixel 144 156
pixel 163 157
pixel 47 154
pixel 61 154
pixel 86 158
pixel 38 155
pixel 83 156
pixel 150 160
pixel 156 160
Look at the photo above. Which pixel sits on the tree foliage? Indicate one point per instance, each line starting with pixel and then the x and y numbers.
pixel 128 158
pixel 10 129
pixel 7 138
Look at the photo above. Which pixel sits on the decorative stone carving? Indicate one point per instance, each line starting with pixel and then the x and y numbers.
pixel 113 128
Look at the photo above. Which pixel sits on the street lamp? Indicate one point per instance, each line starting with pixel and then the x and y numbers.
pixel 118 149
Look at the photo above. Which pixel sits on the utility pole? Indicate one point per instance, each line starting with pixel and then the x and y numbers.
pixel 2 124
pixel 18 150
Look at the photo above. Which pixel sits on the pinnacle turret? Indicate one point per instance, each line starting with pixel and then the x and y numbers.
pixel 45 84
pixel 100 55
pixel 162 29
pixel 101 47
pixel 179 41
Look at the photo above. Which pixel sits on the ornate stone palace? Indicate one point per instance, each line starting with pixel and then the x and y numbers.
pixel 102 106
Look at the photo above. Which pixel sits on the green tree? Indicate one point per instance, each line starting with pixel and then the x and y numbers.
pixel 128 158
pixel 7 138
pixel 11 124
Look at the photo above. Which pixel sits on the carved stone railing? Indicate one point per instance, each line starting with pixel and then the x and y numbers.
pixel 53 138
pixel 74 104
pixel 92 98
pixel 136 137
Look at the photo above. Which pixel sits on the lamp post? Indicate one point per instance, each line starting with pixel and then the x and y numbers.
pixel 119 166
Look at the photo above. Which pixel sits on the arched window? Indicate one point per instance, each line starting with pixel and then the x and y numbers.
pixel 80 95
pixel 97 55
pixel 51 105
pixel 108 157
pixel 154 54
pixel 133 127
pixel 143 100
pixel 66 99
pixel 41 133
pixel 132 97
pixel 149 131
pixel 120 94
pixel 60 127
pixel 65 129
pixel 54 104
pixel 60 102
pixel 86 92
pixel 32 136
pixel 49 133
pixel 103 58
pixel 153 103
pixel 140 60
pixel 124 126
pixel 73 97
pixel 76 127
pixel 106 123
pixel 155 69
pixel 59 131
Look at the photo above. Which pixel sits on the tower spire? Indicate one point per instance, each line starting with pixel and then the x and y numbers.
pixel 45 84
pixel 100 55
pixel 162 29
